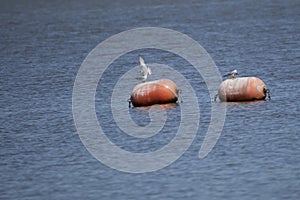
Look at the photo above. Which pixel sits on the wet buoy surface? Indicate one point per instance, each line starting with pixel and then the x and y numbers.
pixel 242 89
pixel 154 92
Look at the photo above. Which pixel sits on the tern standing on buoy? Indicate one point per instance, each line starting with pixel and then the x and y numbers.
pixel 145 70
pixel 232 74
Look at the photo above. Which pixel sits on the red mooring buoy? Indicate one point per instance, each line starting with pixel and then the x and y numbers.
pixel 242 89
pixel 154 92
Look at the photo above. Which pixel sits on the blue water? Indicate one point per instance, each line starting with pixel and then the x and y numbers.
pixel 42 45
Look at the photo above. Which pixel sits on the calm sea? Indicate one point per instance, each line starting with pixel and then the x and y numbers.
pixel 42 46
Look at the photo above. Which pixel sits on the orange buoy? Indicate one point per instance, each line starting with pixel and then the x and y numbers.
pixel 154 92
pixel 242 89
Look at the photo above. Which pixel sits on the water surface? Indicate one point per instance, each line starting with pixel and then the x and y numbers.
pixel 42 46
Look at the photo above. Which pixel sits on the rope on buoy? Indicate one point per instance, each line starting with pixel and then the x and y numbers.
pixel 215 98
pixel 129 103
pixel 268 93
pixel 180 96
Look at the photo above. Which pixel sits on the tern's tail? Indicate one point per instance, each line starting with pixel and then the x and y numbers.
pixel 149 71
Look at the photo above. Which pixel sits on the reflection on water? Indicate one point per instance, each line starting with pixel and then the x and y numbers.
pixel 158 107
pixel 241 103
